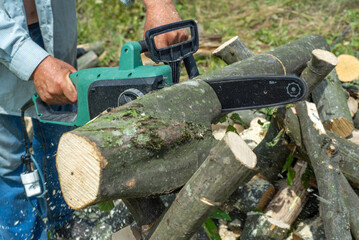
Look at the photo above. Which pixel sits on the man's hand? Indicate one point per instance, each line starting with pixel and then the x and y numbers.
pixel 161 12
pixel 52 82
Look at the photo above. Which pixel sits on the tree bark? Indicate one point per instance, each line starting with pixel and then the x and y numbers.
pixel 233 50
pixel 97 47
pixel 324 158
pixel 288 58
pixel 88 60
pixel 272 152
pixel 145 211
pixel 349 153
pixel 260 226
pixel 289 201
pixel 256 194
pixel 141 149
pixel 230 164
pixel 311 229
pixel 332 104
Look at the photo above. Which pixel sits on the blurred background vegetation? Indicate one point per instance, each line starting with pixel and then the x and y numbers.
pixel 261 24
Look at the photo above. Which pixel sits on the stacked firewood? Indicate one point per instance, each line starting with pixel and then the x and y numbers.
pixel 164 142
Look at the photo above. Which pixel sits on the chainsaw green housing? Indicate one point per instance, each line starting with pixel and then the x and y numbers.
pixel 131 69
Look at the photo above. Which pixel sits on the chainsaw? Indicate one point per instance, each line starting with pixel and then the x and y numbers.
pixel 101 88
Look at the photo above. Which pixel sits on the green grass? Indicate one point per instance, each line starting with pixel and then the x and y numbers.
pixel 261 24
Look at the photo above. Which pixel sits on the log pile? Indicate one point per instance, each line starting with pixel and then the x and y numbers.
pixel 163 142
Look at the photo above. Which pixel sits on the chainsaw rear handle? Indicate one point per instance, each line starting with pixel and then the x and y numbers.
pixel 47 114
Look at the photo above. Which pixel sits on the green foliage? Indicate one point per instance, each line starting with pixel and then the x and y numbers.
pixel 211 229
pixel 230 128
pixel 261 24
pixel 237 119
pixel 219 214
pixel 210 226
pixel 288 163
pixel 276 139
pixel 306 176
pixel 288 167
pixel 106 206
pixel 290 176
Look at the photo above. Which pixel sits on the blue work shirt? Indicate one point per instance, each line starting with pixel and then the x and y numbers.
pixel 19 55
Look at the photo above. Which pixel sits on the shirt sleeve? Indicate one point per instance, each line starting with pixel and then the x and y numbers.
pixel 18 52
pixel 128 2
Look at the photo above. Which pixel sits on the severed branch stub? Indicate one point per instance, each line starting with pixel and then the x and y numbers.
pixel 233 50
pixel 230 164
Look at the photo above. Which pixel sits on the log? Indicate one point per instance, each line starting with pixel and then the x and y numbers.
pixel 325 163
pixel 207 43
pixel 332 104
pixel 96 47
pixel 285 59
pixel 255 194
pixel 348 68
pixel 349 154
pixel 233 50
pixel 348 151
pixel 255 133
pixel 88 60
pixel 289 200
pixel 145 211
pixel 351 202
pixel 146 147
pixel 140 149
pixel 248 115
pixel 311 229
pixel 354 137
pixel 356 120
pixel 230 164
pixel 269 227
pixel 353 106
pixel 320 65
pixel 281 211
pixel 272 152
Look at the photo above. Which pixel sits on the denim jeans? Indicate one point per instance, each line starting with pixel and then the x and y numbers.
pixel 18 219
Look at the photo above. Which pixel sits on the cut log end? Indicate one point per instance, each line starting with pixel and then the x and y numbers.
pixel 241 150
pixel 79 177
pixel 224 45
pixel 341 126
pixel 347 68
pixel 325 56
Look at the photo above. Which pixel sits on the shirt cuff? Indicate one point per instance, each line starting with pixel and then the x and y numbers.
pixel 26 59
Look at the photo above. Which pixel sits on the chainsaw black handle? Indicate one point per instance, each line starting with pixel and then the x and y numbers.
pixel 175 52
pixel 46 113
pixel 191 67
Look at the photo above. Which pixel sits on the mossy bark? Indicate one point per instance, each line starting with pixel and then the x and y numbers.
pixel 141 149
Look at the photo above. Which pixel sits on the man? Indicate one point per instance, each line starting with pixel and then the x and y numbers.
pixel 37 53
